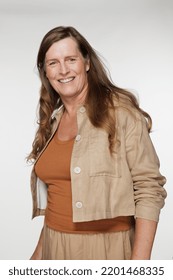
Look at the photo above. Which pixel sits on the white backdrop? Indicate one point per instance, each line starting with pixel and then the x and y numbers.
pixel 135 38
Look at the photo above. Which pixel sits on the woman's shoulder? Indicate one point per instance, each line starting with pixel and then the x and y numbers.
pixel 126 112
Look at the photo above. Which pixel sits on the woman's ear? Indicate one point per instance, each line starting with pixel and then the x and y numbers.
pixel 87 66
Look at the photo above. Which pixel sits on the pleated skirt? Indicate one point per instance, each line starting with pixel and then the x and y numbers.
pixel 97 246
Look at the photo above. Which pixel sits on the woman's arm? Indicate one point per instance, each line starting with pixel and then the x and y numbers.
pixel 144 237
pixel 144 165
pixel 37 255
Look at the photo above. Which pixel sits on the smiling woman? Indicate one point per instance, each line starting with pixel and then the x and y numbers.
pixel 66 70
pixel 96 174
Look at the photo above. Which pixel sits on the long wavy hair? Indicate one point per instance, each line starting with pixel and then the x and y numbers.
pixel 100 98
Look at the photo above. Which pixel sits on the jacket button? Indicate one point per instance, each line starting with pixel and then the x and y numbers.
pixel 79 204
pixel 77 170
pixel 78 137
pixel 82 109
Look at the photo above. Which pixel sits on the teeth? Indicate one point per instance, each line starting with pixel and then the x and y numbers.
pixel 66 80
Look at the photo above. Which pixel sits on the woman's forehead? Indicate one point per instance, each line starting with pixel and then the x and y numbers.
pixel 64 47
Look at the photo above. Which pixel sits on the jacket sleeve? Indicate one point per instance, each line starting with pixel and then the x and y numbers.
pixel 149 194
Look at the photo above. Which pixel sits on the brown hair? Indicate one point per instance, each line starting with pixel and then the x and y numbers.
pixel 101 91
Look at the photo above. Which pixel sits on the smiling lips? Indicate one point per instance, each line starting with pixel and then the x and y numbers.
pixel 64 81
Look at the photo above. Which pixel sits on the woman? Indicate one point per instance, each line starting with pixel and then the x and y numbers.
pixel 96 174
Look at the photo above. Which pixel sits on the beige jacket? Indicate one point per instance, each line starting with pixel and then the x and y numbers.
pixel 105 186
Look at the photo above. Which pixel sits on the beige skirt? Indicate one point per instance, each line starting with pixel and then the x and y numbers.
pixel 99 246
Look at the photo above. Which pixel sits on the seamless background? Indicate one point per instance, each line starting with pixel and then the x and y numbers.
pixel 136 42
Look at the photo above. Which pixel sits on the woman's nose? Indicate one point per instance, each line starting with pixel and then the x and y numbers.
pixel 64 68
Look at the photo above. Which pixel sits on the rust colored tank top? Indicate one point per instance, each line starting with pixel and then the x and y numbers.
pixel 53 167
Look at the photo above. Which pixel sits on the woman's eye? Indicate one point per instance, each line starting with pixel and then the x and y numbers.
pixel 72 59
pixel 52 63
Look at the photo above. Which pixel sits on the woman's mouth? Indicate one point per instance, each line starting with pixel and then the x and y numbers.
pixel 67 80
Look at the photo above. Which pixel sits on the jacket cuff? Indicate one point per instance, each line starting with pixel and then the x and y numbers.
pixel 38 212
pixel 148 213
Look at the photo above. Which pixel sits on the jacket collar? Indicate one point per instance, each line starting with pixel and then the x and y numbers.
pixel 57 111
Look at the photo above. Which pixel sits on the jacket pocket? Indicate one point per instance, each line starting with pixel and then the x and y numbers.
pixel 102 162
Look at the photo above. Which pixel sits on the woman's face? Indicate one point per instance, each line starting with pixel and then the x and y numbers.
pixel 66 69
